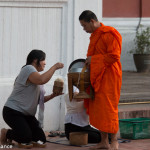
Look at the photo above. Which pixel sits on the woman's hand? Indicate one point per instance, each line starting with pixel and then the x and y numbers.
pixel 58 65
pixel 56 94
pixel 49 97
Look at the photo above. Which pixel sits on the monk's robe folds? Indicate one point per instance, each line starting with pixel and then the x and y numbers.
pixel 106 78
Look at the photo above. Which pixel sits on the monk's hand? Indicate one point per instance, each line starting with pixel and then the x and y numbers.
pixel 88 60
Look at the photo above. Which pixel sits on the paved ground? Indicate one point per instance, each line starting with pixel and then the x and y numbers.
pixel 132 145
pixel 135 88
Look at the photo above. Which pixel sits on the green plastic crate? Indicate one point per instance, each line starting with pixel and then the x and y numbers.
pixel 135 128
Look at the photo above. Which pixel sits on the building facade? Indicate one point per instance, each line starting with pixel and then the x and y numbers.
pixel 53 26
pixel 50 25
pixel 126 16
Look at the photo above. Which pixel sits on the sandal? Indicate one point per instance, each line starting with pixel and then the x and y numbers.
pixel 39 144
pixel 62 134
pixel 25 145
pixel 53 134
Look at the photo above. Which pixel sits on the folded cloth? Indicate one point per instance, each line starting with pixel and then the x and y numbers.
pixel 41 106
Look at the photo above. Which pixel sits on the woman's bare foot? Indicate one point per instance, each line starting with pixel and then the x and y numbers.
pixel 3 138
pixel 9 142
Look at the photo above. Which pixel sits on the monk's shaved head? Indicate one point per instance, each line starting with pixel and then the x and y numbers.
pixel 87 15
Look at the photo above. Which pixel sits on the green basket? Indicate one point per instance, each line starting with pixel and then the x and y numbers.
pixel 135 128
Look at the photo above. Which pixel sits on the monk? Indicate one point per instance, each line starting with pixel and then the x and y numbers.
pixel 103 58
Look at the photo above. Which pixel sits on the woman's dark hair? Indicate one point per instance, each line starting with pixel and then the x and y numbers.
pixel 87 15
pixel 35 54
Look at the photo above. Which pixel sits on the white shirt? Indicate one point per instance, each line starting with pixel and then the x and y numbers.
pixel 76 113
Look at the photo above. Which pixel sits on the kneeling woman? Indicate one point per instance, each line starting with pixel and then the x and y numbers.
pixel 20 109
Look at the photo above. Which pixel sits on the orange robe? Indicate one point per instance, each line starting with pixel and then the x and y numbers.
pixel 106 78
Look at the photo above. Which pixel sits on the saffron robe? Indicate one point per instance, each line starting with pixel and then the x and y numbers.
pixel 106 78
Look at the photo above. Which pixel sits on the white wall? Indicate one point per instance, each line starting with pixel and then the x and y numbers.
pixel 50 25
pixel 27 25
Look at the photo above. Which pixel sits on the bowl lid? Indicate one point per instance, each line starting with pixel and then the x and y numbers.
pixel 77 70
pixel 78 63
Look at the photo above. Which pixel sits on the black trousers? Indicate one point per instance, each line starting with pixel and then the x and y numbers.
pixel 24 129
pixel 94 135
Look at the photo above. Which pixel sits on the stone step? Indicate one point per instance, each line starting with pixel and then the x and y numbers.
pixel 134 110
